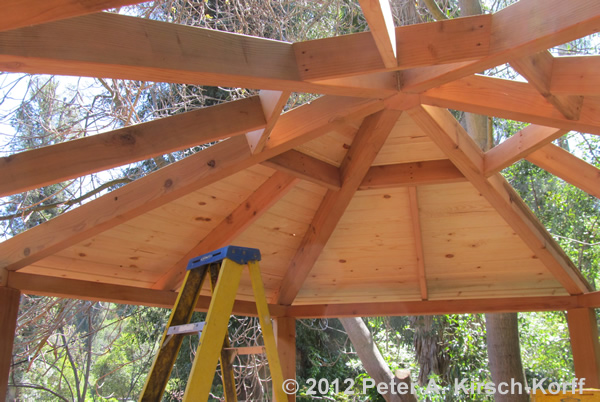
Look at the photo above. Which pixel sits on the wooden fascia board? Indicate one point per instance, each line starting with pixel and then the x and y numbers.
pixel 510 100
pixel 234 224
pixel 447 133
pixel 43 166
pixel 21 13
pixel 158 188
pixel 439 42
pixel 369 139
pixel 517 147
pixel 440 307
pixel 568 167
pixel 89 290
pixel 526 27
pixel 123 47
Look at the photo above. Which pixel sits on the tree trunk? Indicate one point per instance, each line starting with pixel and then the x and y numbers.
pixel 504 354
pixel 372 360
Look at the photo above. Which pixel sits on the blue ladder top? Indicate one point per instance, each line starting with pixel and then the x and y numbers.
pixel 240 255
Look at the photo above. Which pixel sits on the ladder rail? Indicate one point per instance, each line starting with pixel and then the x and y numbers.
pixel 181 314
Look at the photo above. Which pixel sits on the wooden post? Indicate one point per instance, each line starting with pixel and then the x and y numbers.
pixel 9 302
pixel 285 336
pixel 583 330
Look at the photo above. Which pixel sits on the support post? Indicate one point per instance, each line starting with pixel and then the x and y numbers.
pixel 285 336
pixel 583 330
pixel 9 300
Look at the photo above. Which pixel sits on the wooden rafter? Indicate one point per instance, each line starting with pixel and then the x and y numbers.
pixel 93 45
pixel 440 42
pixel 411 174
pixel 510 100
pixel 575 75
pixel 272 103
pixel 385 176
pixel 568 167
pixel 307 168
pixel 418 236
pixel 517 147
pixel 21 13
pixel 515 34
pixel 537 70
pixel 234 224
pixel 448 134
pixel 381 22
pixel 368 141
pixel 43 166
pixel 167 184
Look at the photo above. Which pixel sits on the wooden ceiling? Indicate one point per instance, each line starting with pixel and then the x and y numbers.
pixel 370 200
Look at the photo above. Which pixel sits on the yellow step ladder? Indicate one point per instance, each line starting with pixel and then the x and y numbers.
pixel 225 268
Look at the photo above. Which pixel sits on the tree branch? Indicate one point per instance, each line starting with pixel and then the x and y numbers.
pixel 435 10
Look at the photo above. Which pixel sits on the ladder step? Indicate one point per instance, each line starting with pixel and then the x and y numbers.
pixel 192 328
pixel 246 350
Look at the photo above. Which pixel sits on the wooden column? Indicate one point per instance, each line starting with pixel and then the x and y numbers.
pixel 583 330
pixel 285 335
pixel 9 308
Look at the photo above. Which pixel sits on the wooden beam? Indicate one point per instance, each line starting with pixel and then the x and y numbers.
pixel 306 167
pixel 576 75
pixel 272 103
pixel 418 236
pixel 43 166
pixel 583 330
pixel 285 336
pixel 411 174
pixel 384 176
pixel 21 13
pixel 448 134
pixel 94 46
pixel 435 307
pixel 201 169
pixel 381 22
pixel 526 27
pixel 367 143
pixel 510 100
pixel 517 147
pixel 439 42
pixel 537 70
pixel 88 290
pixel 234 224
pixel 9 300
pixel 568 167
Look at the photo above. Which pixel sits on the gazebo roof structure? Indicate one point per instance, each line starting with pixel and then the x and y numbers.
pixel 370 200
